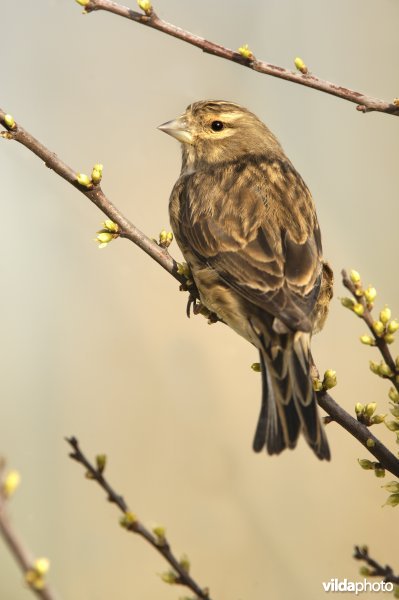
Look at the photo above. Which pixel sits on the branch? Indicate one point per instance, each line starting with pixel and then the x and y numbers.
pixel 157 540
pixel 94 193
pixel 362 553
pixel 364 103
pixel 163 258
pixel 359 431
pixel 17 548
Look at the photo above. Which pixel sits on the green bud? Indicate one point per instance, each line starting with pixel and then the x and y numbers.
pixel 128 520
pixel 330 379
pixel 169 577
pixel 83 2
pixel 365 463
pixel 370 408
pixel 359 408
pixel 183 269
pixel 385 315
pixel 364 571
pixel 384 370
pixel 246 52
pixel 348 303
pixel 300 65
pixel 105 237
pixel 393 500
pixel 185 563
pixel 377 419
pixel 101 461
pixel 160 532
pixel 358 309
pixel 165 238
pixel 83 180
pixel 378 327
pixel 370 294
pixel 389 338
pixel 370 443
pixel 317 385
pixel 96 176
pixel 393 395
pixel 392 487
pixel 256 367
pixel 392 425
pixel 395 411
pixel 379 472
pixel 367 340
pixel 393 326
pixel 374 367
pixel 354 276
pixel 145 5
pixel 9 121
pixel 111 226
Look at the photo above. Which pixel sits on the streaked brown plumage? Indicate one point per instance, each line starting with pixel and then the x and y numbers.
pixel 246 224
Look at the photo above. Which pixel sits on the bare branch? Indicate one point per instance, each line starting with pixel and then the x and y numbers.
pixel 377 570
pixel 364 103
pixel 131 523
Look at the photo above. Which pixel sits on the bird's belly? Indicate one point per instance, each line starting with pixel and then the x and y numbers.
pixel 225 302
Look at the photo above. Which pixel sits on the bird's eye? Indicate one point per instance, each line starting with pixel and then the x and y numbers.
pixel 217 125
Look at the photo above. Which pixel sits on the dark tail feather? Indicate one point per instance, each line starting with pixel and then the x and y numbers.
pixel 289 402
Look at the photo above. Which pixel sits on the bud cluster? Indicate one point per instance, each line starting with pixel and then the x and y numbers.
pixel 365 414
pixel 109 232
pixel 35 577
pixel 165 238
pixel 370 465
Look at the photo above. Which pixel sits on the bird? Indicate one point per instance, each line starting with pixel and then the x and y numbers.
pixel 246 225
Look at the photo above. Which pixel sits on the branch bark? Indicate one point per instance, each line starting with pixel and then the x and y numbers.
pixel 131 523
pixel 364 103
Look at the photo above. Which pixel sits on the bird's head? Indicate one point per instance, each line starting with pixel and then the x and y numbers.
pixel 214 131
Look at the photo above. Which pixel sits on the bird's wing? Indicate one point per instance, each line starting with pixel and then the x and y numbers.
pixel 257 228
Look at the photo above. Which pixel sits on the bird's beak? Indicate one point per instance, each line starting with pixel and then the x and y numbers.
pixel 178 129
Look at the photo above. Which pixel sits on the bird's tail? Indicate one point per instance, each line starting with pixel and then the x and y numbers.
pixel 289 403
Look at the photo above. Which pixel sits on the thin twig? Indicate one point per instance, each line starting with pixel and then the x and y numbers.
pixel 367 317
pixel 362 553
pixel 95 194
pixel 19 550
pixel 364 103
pixel 160 544
pixel 162 257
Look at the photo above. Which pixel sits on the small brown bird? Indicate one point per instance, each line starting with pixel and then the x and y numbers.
pixel 247 227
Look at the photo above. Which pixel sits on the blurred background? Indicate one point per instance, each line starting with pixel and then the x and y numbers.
pixel 96 343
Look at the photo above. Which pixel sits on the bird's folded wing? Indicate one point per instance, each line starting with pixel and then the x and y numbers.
pixel 256 249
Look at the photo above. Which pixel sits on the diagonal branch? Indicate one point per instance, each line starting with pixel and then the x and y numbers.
pixel 180 574
pixel 95 194
pixel 359 431
pixel 362 553
pixel 163 258
pixel 364 102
